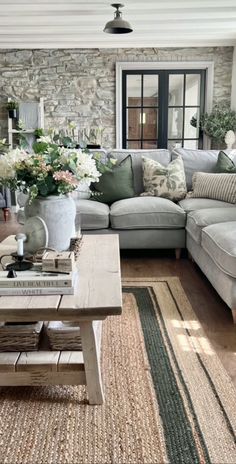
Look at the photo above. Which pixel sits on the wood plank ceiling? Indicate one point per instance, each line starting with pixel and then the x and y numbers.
pixel 79 24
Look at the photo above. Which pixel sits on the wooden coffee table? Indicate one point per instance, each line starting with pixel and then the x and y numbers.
pixel 97 295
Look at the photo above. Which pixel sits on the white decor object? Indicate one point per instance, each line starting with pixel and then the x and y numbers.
pixel 36 233
pixel 58 213
pixel 230 139
pixel 20 238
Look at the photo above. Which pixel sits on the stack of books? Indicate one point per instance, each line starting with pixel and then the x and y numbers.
pixel 37 282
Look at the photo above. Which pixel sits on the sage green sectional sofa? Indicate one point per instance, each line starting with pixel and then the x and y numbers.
pixel 206 227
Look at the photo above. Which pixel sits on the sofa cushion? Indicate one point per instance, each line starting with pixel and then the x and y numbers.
pixel 146 213
pixel 193 204
pixel 215 186
pixel 164 181
pixel 219 241
pixel 91 215
pixel 161 155
pixel 199 160
pixel 225 163
pixel 116 184
pixel 197 220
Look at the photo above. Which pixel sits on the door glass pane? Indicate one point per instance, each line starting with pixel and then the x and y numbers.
pixel 135 145
pixel 192 92
pixel 174 144
pixel 134 123
pixel 193 144
pixel 150 90
pixel 176 89
pixel 133 90
pixel 150 123
pixel 190 131
pixel 175 123
pixel 150 144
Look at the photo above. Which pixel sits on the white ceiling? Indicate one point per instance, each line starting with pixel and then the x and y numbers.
pixel 79 24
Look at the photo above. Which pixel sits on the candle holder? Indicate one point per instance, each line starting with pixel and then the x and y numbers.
pixel 20 264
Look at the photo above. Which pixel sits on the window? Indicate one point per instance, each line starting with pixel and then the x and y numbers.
pixel 158 105
pixel 161 98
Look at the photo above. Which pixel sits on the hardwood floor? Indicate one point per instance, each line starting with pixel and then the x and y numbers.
pixel 212 312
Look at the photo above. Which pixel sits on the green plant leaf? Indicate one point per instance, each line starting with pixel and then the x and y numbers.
pixel 40 147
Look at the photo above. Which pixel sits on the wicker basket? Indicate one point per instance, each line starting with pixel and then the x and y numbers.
pixel 20 336
pixel 64 335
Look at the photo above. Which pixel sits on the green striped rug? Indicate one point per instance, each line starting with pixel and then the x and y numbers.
pixel 168 398
pixel 196 398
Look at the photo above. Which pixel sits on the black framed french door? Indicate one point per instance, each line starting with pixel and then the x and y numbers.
pixel 158 105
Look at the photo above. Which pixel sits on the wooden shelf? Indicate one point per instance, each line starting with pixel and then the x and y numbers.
pixel 28 121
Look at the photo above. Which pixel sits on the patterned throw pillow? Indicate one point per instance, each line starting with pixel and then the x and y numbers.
pixel 164 181
pixel 215 186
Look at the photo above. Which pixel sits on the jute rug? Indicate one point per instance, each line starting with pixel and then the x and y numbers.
pixel 168 398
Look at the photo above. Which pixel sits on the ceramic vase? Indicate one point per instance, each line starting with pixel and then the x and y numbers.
pixel 58 212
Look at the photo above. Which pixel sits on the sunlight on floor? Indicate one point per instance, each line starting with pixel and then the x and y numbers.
pixel 193 325
pixel 192 343
pixel 195 344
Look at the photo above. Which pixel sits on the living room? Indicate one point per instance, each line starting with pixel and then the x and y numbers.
pixel 131 135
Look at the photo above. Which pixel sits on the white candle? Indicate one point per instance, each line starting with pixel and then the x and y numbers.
pixel 20 247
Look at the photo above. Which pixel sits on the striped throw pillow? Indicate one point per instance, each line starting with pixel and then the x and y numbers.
pixel 215 186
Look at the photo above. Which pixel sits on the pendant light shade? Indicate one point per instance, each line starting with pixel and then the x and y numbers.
pixel 117 25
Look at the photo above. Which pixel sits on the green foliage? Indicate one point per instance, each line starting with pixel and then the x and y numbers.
pixel 38 132
pixel 12 105
pixel 217 123
pixel 104 164
pixel 40 147
pixel 193 121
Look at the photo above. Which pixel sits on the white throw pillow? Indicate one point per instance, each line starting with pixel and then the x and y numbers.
pixel 164 181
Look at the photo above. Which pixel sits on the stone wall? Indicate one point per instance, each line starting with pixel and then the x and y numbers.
pixel 79 84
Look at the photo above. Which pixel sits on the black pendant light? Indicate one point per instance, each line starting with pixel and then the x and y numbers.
pixel 117 25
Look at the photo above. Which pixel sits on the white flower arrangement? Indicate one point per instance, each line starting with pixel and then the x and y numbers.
pixel 53 170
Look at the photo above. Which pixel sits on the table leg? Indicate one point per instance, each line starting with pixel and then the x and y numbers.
pixel 91 353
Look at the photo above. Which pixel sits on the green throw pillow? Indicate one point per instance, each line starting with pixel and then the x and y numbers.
pixel 117 184
pixel 225 164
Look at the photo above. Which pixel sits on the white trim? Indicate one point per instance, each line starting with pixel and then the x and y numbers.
pixel 121 66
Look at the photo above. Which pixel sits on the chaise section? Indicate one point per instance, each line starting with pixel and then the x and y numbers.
pixel 194 204
pixel 146 213
pixel 91 215
pixel 219 241
pixel 223 283
pixel 197 220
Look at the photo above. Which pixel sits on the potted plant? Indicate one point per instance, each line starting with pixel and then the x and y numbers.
pixel 217 123
pixel 48 175
pixel 12 107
